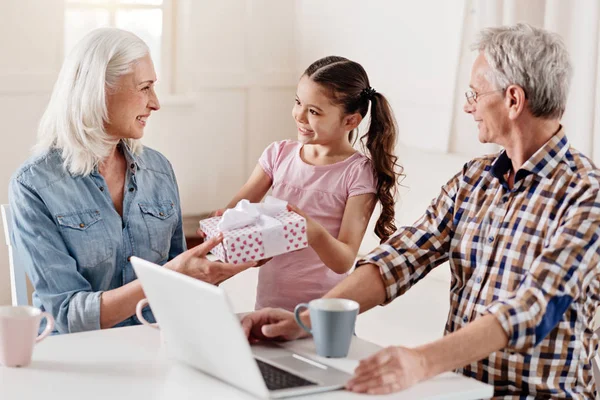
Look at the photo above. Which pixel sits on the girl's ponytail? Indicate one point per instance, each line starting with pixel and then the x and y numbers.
pixel 380 141
pixel 348 85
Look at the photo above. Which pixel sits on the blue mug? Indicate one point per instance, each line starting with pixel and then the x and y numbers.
pixel 332 323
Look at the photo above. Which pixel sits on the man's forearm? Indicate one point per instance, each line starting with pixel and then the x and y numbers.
pixel 364 286
pixel 471 343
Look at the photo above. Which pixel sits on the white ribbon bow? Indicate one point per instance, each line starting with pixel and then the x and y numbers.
pixel 246 213
pixel 261 216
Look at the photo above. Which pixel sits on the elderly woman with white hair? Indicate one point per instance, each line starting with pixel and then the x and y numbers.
pixel 93 195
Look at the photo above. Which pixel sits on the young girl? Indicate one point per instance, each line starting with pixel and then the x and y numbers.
pixel 327 181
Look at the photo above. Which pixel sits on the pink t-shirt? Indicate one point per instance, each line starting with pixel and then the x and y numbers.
pixel 321 191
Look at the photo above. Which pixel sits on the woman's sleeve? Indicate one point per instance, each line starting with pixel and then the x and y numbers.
pixel 39 248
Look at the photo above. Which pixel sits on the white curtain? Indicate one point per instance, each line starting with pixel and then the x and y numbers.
pixel 578 22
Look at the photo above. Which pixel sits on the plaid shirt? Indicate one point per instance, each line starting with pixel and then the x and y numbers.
pixel 528 255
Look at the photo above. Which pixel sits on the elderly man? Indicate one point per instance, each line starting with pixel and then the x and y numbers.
pixel 520 230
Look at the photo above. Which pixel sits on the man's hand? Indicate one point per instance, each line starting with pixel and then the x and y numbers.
pixel 194 263
pixel 271 324
pixel 389 370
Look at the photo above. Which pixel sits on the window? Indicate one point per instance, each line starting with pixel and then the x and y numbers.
pixel 146 18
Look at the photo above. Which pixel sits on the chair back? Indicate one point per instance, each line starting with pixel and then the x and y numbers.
pixel 18 277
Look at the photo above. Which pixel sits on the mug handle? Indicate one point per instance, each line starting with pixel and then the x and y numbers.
pixel 49 327
pixel 297 310
pixel 138 312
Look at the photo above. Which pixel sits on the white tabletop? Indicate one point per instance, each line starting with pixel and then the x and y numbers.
pixel 131 363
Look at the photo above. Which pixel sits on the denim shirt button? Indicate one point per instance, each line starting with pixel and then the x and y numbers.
pixel 131 189
pixel 101 188
pixel 82 225
pixel 132 165
pixel 465 319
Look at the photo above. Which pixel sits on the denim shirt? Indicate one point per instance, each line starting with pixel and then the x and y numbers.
pixel 74 245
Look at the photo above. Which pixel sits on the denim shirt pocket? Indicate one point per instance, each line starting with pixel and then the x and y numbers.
pixel 86 237
pixel 161 220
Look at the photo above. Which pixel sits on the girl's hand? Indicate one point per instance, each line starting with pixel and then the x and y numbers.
pixel 263 262
pixel 314 230
pixel 216 213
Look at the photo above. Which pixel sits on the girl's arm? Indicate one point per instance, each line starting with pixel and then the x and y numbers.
pixel 339 254
pixel 254 189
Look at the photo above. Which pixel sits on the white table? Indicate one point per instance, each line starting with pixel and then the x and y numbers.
pixel 131 363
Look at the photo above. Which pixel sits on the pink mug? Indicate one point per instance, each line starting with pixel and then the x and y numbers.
pixel 138 312
pixel 18 333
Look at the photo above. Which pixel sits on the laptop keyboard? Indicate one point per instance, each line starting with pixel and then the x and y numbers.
pixel 276 378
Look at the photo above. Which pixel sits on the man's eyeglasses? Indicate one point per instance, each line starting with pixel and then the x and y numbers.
pixel 472 96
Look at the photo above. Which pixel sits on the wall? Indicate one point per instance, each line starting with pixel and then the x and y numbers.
pixel 400 45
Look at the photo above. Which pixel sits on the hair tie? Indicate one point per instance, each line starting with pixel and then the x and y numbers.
pixel 368 92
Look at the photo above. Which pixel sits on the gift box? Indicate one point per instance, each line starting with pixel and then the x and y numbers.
pixel 256 231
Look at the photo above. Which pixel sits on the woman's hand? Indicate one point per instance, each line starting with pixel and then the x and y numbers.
pixel 194 263
pixel 314 230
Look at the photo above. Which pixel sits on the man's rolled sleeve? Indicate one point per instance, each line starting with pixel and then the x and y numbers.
pixel 394 279
pixel 413 251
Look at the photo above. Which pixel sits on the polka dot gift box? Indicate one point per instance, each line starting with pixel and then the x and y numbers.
pixel 255 231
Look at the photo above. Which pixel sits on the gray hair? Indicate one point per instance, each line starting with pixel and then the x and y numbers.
pixel 74 119
pixel 532 58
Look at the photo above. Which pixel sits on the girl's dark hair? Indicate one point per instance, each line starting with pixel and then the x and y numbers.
pixel 348 86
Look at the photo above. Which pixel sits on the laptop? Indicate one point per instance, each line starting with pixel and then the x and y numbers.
pixel 201 330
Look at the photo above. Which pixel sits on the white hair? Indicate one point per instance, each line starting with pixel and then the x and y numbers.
pixel 74 119
pixel 532 58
